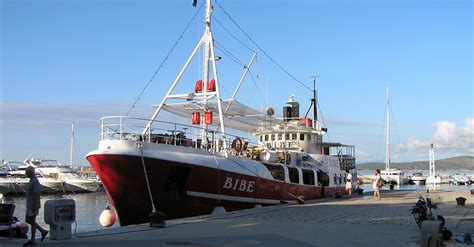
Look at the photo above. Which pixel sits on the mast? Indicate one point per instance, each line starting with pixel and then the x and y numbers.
pixel 387 149
pixel 209 59
pixel 71 156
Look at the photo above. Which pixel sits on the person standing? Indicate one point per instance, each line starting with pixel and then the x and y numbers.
pixel 349 184
pixel 375 185
pixel 33 204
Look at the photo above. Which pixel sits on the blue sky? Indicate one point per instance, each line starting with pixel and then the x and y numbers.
pixel 64 61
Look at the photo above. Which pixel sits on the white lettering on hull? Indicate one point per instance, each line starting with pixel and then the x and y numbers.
pixel 239 184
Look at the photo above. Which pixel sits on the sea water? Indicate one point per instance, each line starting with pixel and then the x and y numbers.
pixel 446 187
pixel 89 206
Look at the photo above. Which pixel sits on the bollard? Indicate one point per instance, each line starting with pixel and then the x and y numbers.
pixel 157 219
pixel 460 201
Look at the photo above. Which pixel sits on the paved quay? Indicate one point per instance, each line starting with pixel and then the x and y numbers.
pixel 359 221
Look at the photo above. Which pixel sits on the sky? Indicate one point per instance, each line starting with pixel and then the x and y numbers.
pixel 79 60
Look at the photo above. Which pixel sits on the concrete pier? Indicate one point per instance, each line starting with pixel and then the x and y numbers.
pixel 359 221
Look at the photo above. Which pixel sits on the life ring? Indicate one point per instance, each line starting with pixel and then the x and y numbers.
pixel 237 144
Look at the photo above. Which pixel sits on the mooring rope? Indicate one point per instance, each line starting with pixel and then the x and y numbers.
pixel 139 146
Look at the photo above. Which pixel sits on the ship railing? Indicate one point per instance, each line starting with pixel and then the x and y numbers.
pixel 171 133
pixel 344 153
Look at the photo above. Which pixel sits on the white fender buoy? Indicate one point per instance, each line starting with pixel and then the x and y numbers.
pixel 218 211
pixel 107 217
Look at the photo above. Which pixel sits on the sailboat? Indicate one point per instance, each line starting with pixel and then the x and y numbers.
pixel 152 165
pixel 391 175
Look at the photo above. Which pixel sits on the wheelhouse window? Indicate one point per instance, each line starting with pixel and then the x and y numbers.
pixel 266 138
pixel 277 172
pixel 308 177
pixel 261 138
pixel 279 137
pixel 294 175
pixel 323 178
pixel 273 137
pixel 287 136
pixel 335 178
pixel 301 137
pixel 294 136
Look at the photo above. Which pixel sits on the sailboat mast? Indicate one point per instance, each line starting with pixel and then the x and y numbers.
pixel 387 149
pixel 71 156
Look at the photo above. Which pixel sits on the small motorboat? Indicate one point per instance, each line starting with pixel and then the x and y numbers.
pixel 417 178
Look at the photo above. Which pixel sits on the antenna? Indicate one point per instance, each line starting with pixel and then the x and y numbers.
pixel 314 101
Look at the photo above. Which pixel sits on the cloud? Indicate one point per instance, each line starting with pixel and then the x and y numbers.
pixel 47 117
pixel 448 137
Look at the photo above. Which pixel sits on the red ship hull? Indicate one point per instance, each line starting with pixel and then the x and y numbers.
pixel 183 190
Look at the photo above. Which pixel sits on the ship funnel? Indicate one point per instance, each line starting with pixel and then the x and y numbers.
pixel 295 108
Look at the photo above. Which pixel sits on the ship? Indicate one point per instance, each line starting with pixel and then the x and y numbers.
pixel 191 168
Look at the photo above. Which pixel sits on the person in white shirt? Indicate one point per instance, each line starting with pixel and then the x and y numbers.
pixel 375 184
pixel 349 184
pixel 33 204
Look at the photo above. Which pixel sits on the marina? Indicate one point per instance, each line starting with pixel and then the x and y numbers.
pixel 225 141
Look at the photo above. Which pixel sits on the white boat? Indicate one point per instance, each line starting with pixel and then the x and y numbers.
pixel 394 176
pixel 184 170
pixel 18 175
pixel 69 179
pixel 460 179
pixel 12 184
pixel 15 180
pixel 418 178
pixel 391 175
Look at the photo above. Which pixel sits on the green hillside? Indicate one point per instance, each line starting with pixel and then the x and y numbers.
pixel 455 163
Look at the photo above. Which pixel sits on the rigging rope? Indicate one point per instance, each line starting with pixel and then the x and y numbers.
pixel 261 49
pixel 396 131
pixel 165 59
pixel 228 53
pixel 380 138
pixel 232 35
pixel 322 118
